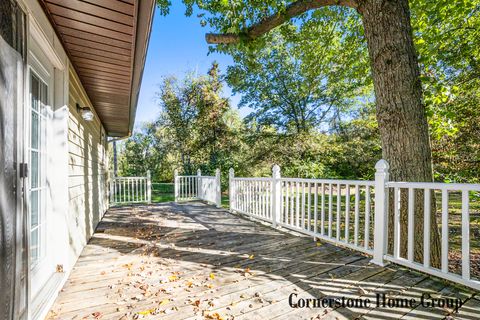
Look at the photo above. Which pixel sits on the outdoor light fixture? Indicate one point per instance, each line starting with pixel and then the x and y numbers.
pixel 86 113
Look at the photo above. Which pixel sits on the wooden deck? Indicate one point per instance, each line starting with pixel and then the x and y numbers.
pixel 193 261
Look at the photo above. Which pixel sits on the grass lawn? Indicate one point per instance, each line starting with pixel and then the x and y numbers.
pixel 164 192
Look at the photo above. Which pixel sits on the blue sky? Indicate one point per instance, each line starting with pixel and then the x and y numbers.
pixel 177 45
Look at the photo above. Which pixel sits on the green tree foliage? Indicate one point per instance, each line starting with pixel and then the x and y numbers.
pixel 287 84
pixel 138 153
pixel 447 34
pixel 196 129
pixel 446 38
pixel 313 116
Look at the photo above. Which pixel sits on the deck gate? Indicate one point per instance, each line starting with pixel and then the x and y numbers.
pixel 198 187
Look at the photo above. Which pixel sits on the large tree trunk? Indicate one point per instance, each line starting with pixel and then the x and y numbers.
pixel 400 110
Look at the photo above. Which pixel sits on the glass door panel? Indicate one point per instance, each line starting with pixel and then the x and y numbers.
pixel 37 150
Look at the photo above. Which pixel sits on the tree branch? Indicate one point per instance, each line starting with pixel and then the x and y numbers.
pixel 292 10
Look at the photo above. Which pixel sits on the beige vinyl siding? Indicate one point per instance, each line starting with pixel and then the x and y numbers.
pixel 87 168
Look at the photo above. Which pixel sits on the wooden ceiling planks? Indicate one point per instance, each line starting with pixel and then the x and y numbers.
pixel 99 37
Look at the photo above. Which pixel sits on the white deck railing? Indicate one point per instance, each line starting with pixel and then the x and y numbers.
pixel 355 214
pixel 198 187
pixel 125 190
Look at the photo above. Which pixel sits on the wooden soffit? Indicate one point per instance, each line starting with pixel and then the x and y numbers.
pixel 106 41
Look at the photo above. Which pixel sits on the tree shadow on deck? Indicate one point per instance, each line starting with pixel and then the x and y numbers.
pixel 196 239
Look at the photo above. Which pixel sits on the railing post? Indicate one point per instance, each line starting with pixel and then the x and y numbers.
pixel 381 213
pixel 199 185
pixel 218 189
pixel 149 187
pixel 175 184
pixel 231 189
pixel 276 195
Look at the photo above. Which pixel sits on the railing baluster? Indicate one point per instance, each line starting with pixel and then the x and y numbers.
pixel 322 210
pixel 396 223
pixel 357 215
pixel 249 196
pixel 465 235
pixel 339 209
pixel 330 210
pixel 297 202
pixel 244 196
pixel 411 222
pixel 309 209
pixel 367 218
pixel 444 230
pixel 257 197
pixel 237 203
pixel 303 206
pixel 292 204
pixel 266 186
pixel 347 213
pixel 426 229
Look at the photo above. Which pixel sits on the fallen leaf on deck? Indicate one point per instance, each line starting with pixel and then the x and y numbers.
pixel 164 301
pixel 146 312
pixel 251 257
pixel 213 316
pixel 212 276
pixel 97 315
pixel 128 266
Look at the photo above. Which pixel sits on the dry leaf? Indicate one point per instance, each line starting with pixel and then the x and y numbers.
pixel 164 301
pixel 213 316
pixel 146 312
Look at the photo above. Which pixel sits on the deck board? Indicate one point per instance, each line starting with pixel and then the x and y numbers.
pixel 194 261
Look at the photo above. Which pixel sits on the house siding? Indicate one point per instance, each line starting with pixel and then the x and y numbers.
pixel 87 168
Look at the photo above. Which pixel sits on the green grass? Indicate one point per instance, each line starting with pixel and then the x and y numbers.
pixel 162 192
